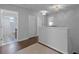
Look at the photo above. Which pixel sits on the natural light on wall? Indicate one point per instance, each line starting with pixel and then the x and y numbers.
pixel 51 21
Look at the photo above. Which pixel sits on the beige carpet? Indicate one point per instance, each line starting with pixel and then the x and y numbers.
pixel 36 49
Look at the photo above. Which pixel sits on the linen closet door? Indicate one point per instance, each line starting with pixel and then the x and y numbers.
pixel 9 25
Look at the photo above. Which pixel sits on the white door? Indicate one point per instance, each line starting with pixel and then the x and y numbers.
pixel 9 25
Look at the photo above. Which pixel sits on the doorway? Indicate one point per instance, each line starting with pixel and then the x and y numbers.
pixel 9 26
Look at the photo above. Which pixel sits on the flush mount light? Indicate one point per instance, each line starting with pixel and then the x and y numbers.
pixel 44 12
pixel 57 7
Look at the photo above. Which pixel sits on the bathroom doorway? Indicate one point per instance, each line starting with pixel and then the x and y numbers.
pixel 9 25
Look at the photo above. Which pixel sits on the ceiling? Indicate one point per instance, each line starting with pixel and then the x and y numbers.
pixel 39 7
pixel 34 7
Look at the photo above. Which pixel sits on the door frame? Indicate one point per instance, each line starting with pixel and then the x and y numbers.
pixel 14 12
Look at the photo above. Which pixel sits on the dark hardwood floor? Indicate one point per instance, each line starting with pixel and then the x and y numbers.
pixel 13 47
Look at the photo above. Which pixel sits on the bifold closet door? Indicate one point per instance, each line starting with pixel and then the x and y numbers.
pixel 9 25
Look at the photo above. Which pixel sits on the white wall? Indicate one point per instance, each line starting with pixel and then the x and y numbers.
pixel 32 23
pixel 70 18
pixel 22 20
pixel 54 37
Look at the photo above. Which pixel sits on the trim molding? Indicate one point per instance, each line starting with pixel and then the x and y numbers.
pixel 50 48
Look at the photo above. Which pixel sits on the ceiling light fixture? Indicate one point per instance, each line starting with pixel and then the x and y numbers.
pixel 57 7
pixel 44 12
